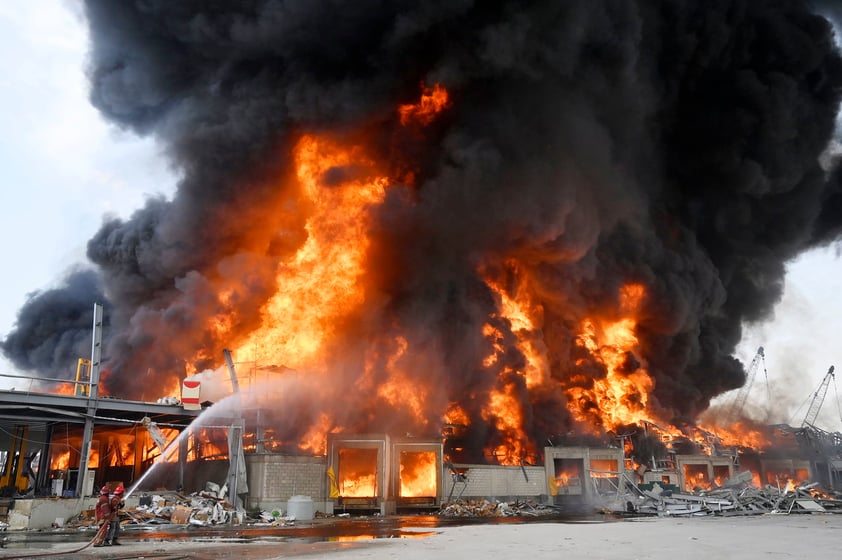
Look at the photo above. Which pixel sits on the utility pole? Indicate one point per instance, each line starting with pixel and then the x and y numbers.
pixel 93 398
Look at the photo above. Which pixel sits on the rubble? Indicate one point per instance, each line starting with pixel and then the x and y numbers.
pixel 204 508
pixel 493 508
pixel 199 508
pixel 739 497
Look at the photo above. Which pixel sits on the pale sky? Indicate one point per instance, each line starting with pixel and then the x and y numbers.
pixel 64 168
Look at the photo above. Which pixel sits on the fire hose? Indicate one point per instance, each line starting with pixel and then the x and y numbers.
pixel 98 535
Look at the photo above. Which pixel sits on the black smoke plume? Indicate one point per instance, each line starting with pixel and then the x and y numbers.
pixel 588 144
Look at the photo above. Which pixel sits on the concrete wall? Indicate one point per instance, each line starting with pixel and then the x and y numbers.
pixel 799 469
pixel 274 479
pixel 41 513
pixel 709 466
pixel 493 481
pixel 590 473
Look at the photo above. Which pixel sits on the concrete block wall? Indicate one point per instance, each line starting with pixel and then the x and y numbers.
pixel 497 482
pixel 283 480
pixel 274 479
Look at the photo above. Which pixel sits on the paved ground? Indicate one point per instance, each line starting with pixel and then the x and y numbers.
pixel 799 537
pixel 249 542
pixel 184 550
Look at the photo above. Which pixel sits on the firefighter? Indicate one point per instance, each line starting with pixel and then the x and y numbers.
pixel 115 505
pixel 103 514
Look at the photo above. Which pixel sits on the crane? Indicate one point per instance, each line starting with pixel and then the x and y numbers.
pixel 740 400
pixel 818 399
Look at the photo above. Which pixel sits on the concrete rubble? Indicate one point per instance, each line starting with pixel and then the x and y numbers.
pixel 739 497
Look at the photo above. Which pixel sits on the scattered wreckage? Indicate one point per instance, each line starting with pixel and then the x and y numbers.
pixel 737 497
pixel 209 507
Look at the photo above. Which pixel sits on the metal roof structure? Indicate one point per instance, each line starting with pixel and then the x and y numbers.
pixel 29 408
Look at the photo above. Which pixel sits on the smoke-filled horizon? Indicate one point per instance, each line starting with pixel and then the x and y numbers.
pixel 586 149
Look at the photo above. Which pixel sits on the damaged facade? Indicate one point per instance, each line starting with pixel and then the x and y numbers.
pixel 365 473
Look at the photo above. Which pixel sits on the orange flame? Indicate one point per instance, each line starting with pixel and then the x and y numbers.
pixel 433 101
pixel 523 314
pixel 604 468
pixel 418 473
pixel 569 476
pixel 393 390
pixel 60 461
pixel 69 388
pixel 456 415
pixel 321 281
pixel 357 474
pixel 742 434
pixel 315 438
pixel 504 412
pixel 621 397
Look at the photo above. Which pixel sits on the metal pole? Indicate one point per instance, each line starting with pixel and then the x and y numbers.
pixel 182 455
pixel 235 384
pixel 44 464
pixel 235 439
pixel 93 396
pixel 235 447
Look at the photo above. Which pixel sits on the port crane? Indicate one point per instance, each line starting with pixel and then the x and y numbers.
pixel 740 399
pixel 818 399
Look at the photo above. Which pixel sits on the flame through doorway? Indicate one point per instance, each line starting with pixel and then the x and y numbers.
pixel 378 472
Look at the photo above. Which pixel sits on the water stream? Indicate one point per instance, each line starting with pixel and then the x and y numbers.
pixel 219 415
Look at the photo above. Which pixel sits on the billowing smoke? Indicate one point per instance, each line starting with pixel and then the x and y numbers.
pixel 587 145
pixel 54 327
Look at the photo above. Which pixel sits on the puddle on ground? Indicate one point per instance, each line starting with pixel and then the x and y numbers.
pixel 336 530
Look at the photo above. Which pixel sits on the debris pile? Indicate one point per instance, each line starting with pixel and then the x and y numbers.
pixel 739 497
pixel 486 508
pixel 199 508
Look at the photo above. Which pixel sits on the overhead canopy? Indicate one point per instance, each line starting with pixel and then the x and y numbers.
pixel 25 408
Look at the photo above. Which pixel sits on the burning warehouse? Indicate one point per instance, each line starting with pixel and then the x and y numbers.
pixel 520 221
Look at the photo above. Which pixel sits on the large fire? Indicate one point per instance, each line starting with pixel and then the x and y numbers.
pixel 321 282
pixel 324 285
pixel 621 396
pixel 455 216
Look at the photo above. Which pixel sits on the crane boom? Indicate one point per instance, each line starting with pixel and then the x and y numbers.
pixel 740 400
pixel 818 399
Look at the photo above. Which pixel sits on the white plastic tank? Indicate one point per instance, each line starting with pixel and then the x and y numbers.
pixel 300 507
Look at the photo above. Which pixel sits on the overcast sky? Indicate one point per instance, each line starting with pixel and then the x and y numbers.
pixel 64 169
